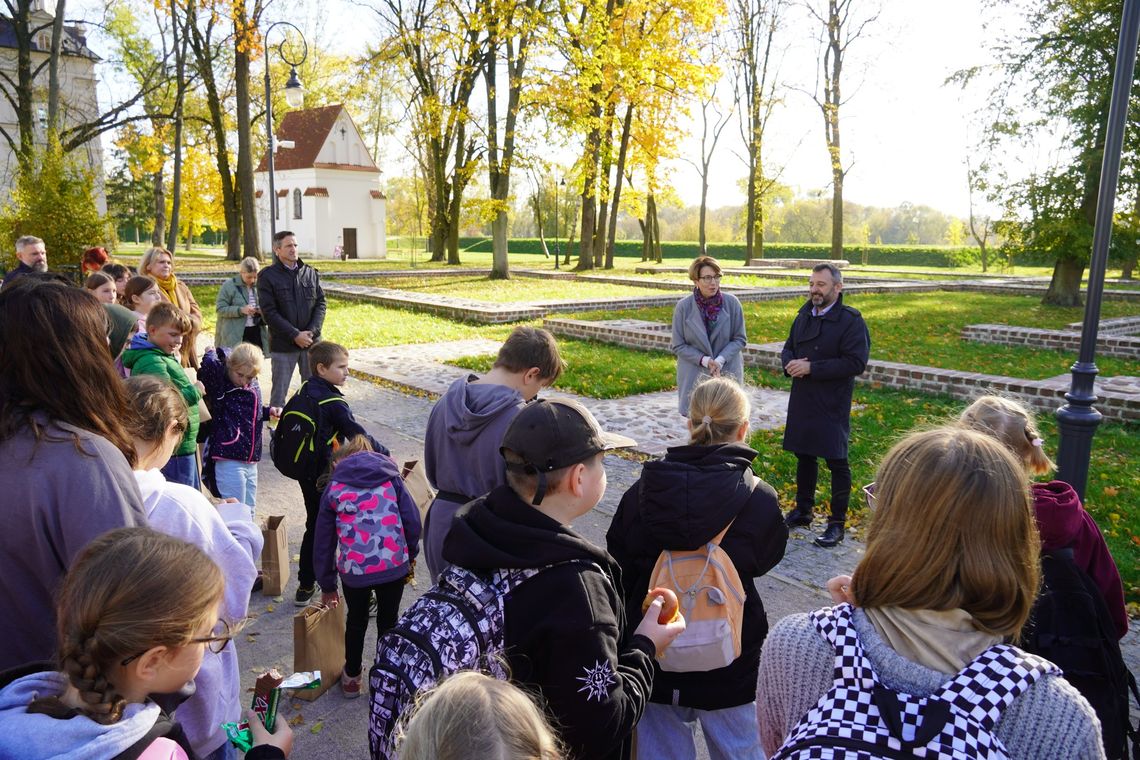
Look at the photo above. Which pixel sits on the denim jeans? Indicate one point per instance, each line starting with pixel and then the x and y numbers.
pixel 667 732
pixel 283 363
pixel 237 480
pixel 183 469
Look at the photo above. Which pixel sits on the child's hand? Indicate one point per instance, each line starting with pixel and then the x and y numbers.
pixel 275 412
pixel 282 737
pixel 330 598
pixel 661 635
pixel 840 589
pixel 201 388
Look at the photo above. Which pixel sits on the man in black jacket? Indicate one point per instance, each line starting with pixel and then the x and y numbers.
pixel 827 348
pixel 293 306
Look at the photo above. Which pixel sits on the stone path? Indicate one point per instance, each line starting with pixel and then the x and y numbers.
pixel 651 419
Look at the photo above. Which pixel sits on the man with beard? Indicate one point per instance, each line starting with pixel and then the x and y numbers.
pixel 827 347
pixel 32 255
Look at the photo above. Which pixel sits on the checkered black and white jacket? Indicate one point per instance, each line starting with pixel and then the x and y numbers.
pixel 861 718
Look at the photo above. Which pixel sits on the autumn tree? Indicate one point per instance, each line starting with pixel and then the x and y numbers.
pixel 442 46
pixel 841 24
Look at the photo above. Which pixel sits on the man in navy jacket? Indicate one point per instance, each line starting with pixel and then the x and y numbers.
pixel 827 347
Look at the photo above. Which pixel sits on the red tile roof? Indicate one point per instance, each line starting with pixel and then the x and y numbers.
pixel 317 192
pixel 308 129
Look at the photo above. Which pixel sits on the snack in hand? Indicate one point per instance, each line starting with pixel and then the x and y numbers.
pixel 670 606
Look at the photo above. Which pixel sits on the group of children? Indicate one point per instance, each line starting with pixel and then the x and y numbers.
pixel 566 617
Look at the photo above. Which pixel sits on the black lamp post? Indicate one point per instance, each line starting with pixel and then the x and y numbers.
pixel 294 96
pixel 1077 419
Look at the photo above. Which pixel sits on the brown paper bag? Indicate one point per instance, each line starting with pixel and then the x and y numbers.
pixel 318 644
pixel 416 482
pixel 275 556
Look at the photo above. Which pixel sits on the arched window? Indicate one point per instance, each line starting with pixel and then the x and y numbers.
pixel 297 203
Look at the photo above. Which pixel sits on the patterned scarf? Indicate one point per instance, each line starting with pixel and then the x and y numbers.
pixel 710 307
pixel 168 285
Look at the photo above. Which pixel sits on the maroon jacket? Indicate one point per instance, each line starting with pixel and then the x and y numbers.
pixel 1062 521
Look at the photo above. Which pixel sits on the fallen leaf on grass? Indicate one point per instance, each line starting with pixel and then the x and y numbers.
pixel 1111 491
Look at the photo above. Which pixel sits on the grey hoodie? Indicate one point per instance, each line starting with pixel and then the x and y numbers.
pixel 34 736
pixel 461 452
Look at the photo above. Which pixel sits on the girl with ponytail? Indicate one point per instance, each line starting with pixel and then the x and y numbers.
pixel 136 615
pixel 681 503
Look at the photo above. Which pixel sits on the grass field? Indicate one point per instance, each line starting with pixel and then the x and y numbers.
pixel 507 291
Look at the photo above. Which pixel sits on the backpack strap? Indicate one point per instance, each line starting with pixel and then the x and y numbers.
pixel 992 681
pixel 852 668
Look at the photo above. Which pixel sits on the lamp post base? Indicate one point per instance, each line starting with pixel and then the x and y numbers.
pixel 1077 422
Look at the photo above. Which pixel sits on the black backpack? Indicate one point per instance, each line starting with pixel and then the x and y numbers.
pixel 298 447
pixel 1070 625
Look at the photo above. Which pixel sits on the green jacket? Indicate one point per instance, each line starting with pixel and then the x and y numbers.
pixel 145 358
pixel 231 322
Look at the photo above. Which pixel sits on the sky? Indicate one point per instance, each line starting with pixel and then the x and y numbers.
pixel 904 132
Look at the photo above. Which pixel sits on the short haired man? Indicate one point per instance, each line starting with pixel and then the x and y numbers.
pixel 465 429
pixel 828 346
pixel 32 254
pixel 293 306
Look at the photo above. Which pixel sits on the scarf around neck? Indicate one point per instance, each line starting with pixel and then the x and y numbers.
pixel 709 307
pixel 942 640
pixel 168 285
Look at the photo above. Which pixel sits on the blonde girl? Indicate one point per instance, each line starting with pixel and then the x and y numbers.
pixel 684 501
pixel 137 613
pixel 157 422
pixel 473 715
pixel 1061 518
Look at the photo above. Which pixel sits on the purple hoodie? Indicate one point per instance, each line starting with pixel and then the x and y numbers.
pixel 368 527
pixel 461 453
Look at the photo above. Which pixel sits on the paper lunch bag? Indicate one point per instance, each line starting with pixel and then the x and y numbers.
pixel 318 644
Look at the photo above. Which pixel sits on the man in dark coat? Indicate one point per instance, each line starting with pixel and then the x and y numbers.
pixel 293 306
pixel 827 347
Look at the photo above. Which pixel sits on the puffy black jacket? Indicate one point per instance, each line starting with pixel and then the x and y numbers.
pixel 291 301
pixel 681 503
pixel 564 629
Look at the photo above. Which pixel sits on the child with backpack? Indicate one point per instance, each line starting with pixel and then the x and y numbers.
pixel 528 596
pixel 368 532
pixel 465 429
pixel 1079 615
pixel 224 532
pixel 234 398
pixel 701 496
pixel 915 664
pixel 137 613
pixel 473 715
pixel 314 420
pixel 157 352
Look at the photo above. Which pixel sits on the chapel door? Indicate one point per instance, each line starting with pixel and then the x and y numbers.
pixel 350 243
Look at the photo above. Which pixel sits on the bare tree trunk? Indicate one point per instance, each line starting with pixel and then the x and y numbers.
pixel 53 66
pixel 158 236
pixel 179 43
pixel 615 203
pixel 251 244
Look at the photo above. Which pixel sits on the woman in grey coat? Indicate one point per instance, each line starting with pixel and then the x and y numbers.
pixel 708 332
pixel 239 315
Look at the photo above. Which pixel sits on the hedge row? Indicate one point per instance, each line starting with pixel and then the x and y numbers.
pixel 913 255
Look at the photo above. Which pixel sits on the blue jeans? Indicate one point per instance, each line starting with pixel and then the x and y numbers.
pixel 666 732
pixel 237 480
pixel 183 469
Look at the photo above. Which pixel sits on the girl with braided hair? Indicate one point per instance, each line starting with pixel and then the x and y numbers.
pixel 137 613
pixel 683 502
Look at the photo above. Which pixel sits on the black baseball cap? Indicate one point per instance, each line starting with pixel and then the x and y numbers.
pixel 554 433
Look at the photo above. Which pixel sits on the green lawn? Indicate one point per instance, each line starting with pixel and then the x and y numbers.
pixel 513 290
pixel 924 329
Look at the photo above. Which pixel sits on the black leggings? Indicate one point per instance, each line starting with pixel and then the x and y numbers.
pixel 807 473
pixel 387 613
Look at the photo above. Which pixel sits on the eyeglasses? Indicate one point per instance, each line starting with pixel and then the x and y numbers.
pixel 223 632
pixel 711 278
pixel 869 495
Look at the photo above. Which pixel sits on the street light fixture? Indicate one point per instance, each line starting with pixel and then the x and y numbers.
pixel 1077 420
pixel 294 96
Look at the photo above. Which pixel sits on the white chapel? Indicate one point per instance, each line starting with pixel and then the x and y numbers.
pixel 327 187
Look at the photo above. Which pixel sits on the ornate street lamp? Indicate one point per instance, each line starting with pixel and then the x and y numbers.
pixel 294 96
pixel 1077 419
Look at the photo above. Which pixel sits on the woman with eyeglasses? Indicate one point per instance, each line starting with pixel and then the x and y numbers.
pixel 708 332
pixel 138 616
pixel 226 533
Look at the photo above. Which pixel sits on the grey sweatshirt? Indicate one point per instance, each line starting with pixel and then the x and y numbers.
pixel 461 452
pixel 1051 719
